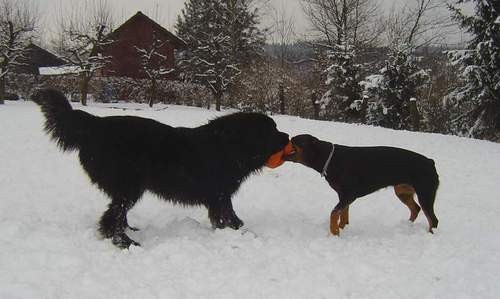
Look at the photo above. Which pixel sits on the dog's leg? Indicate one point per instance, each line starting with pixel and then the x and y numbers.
pixel 221 214
pixel 426 196
pixel 334 222
pixel 335 215
pixel 114 222
pixel 344 217
pixel 408 200
pixel 405 194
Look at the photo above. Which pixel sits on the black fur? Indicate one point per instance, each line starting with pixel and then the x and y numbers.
pixel 126 155
pixel 358 171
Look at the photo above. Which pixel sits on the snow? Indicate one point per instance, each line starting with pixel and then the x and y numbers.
pixel 59 70
pixel 50 248
pixel 372 81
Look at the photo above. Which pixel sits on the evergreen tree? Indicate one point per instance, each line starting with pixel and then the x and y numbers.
pixel 478 97
pixel 392 95
pixel 342 101
pixel 222 37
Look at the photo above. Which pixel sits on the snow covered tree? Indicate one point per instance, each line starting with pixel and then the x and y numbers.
pixel 82 37
pixel 154 65
pixel 479 95
pixel 222 36
pixel 392 94
pixel 18 21
pixel 346 28
pixel 343 100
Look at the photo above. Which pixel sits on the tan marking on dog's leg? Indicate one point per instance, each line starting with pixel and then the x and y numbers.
pixel 407 199
pixel 405 193
pixel 344 217
pixel 334 223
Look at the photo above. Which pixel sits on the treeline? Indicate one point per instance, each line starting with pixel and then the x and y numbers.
pixel 358 65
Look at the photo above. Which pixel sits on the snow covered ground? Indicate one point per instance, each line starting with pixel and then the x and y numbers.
pixel 49 247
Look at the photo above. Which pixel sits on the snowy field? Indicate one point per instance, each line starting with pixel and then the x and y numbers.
pixel 50 248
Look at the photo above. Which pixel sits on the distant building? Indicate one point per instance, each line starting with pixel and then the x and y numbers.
pixel 137 32
pixel 35 58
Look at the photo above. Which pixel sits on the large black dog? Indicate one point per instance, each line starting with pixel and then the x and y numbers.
pixel 358 171
pixel 126 155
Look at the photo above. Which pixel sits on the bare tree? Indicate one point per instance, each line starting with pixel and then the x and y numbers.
pixel 153 64
pixel 282 38
pixel 82 37
pixel 417 23
pixel 18 23
pixel 341 21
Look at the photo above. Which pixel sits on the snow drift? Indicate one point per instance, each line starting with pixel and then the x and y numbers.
pixel 50 248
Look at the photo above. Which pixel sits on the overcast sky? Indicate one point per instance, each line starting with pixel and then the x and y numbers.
pixel 165 11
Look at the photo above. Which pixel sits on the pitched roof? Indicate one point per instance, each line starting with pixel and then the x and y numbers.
pixel 36 57
pixel 179 43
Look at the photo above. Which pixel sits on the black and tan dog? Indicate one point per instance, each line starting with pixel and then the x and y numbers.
pixel 358 171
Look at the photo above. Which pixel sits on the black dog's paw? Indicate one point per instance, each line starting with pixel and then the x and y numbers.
pixel 230 221
pixel 235 222
pixel 123 241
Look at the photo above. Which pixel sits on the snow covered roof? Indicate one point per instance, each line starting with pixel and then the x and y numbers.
pixel 59 70
pixel 35 57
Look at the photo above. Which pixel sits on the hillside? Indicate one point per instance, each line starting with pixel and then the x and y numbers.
pixel 50 248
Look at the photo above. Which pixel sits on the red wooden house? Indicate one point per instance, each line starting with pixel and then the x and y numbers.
pixel 138 31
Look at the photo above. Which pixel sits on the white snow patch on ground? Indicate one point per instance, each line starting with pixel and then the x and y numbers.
pixel 50 248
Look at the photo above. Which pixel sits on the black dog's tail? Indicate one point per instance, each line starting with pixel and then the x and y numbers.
pixel 65 125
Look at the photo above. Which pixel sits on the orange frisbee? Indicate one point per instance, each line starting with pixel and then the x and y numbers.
pixel 276 159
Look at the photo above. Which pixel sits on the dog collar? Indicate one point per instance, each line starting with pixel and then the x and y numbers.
pixel 327 163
